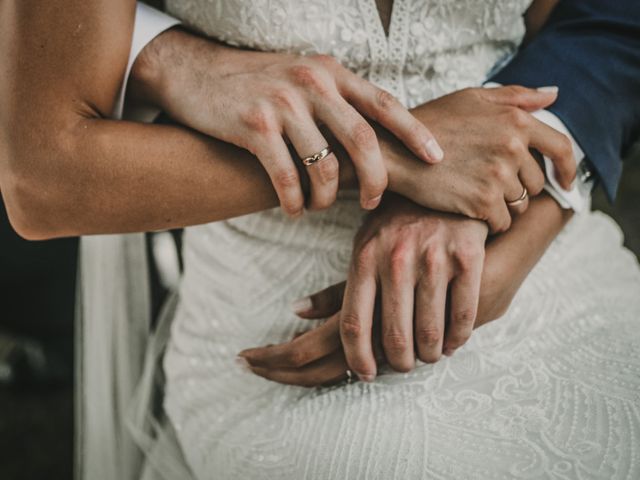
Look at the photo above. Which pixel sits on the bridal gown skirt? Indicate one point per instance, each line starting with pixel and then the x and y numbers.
pixel 551 390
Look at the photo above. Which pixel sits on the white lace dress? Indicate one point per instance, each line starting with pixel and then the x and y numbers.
pixel 552 390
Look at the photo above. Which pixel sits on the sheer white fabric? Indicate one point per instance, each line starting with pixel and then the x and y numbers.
pixel 552 390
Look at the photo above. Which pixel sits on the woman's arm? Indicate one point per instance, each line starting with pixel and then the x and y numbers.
pixel 65 169
pixel 318 356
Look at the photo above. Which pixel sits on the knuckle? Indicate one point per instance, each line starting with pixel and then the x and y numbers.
pixel 434 261
pixel 399 260
pixel 385 101
pixel 309 78
pixel 362 135
pixel 429 336
pixel 286 178
pixel 512 145
pixel 395 342
pixel 464 318
pixel 467 257
pixel 284 99
pixel 258 120
pixel 350 327
pixel 501 172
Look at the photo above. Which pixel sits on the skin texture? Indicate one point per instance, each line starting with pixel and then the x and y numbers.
pixel 290 95
pixel 67 170
pixel 317 357
pixel 176 62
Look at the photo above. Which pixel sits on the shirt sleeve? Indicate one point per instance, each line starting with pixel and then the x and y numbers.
pixel 149 23
pixel 578 197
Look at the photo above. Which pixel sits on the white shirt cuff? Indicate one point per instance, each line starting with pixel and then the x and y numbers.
pixel 579 196
pixel 148 25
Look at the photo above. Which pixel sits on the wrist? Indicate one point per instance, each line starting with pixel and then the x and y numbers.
pixel 164 66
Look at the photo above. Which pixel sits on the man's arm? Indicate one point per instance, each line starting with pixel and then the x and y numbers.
pixel 591 50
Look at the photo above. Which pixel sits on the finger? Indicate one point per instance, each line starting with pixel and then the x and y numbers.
pixel 323 175
pixel 300 351
pixel 431 300
pixel 384 108
pixel 356 318
pixel 528 99
pixel 465 291
pixel 499 217
pixel 326 371
pixel 517 203
pixel 321 304
pixel 276 159
pixel 557 147
pixel 361 143
pixel 531 175
pixel 397 287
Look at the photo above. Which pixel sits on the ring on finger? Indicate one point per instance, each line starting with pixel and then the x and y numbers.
pixel 316 157
pixel 520 199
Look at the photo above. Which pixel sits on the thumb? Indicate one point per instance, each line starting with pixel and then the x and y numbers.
pixel 321 304
pixel 528 99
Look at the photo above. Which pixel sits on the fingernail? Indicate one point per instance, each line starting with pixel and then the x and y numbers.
pixel 366 378
pixel 243 363
pixel 434 151
pixel 448 351
pixel 549 89
pixel 302 305
pixel 373 203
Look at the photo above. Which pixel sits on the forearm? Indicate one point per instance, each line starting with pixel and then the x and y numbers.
pixel 512 255
pixel 65 170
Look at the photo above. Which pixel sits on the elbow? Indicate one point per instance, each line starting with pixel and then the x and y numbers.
pixel 30 214
pixel 35 181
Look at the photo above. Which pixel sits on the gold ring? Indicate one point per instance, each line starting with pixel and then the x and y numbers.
pixel 520 199
pixel 308 161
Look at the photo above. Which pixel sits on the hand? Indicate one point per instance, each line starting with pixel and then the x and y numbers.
pixel 406 252
pixel 487 134
pixel 259 100
pixel 317 356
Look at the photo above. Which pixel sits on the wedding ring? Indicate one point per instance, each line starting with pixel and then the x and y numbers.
pixel 308 161
pixel 520 199
pixel 349 376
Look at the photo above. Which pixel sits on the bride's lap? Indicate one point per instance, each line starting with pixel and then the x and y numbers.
pixel 552 388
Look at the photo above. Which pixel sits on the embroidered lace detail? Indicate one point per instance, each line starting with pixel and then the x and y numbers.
pixel 550 391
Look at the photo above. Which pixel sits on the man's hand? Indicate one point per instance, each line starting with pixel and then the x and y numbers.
pixel 317 357
pixel 259 101
pixel 409 257
pixel 487 134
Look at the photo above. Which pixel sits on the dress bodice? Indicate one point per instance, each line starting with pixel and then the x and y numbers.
pixel 433 46
pixel 549 391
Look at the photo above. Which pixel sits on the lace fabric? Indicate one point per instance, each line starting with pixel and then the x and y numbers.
pixel 551 390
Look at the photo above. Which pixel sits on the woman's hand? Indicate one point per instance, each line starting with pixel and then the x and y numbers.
pixel 410 258
pixel 488 135
pixel 259 101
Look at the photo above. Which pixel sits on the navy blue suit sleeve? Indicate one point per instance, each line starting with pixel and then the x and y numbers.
pixel 591 50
